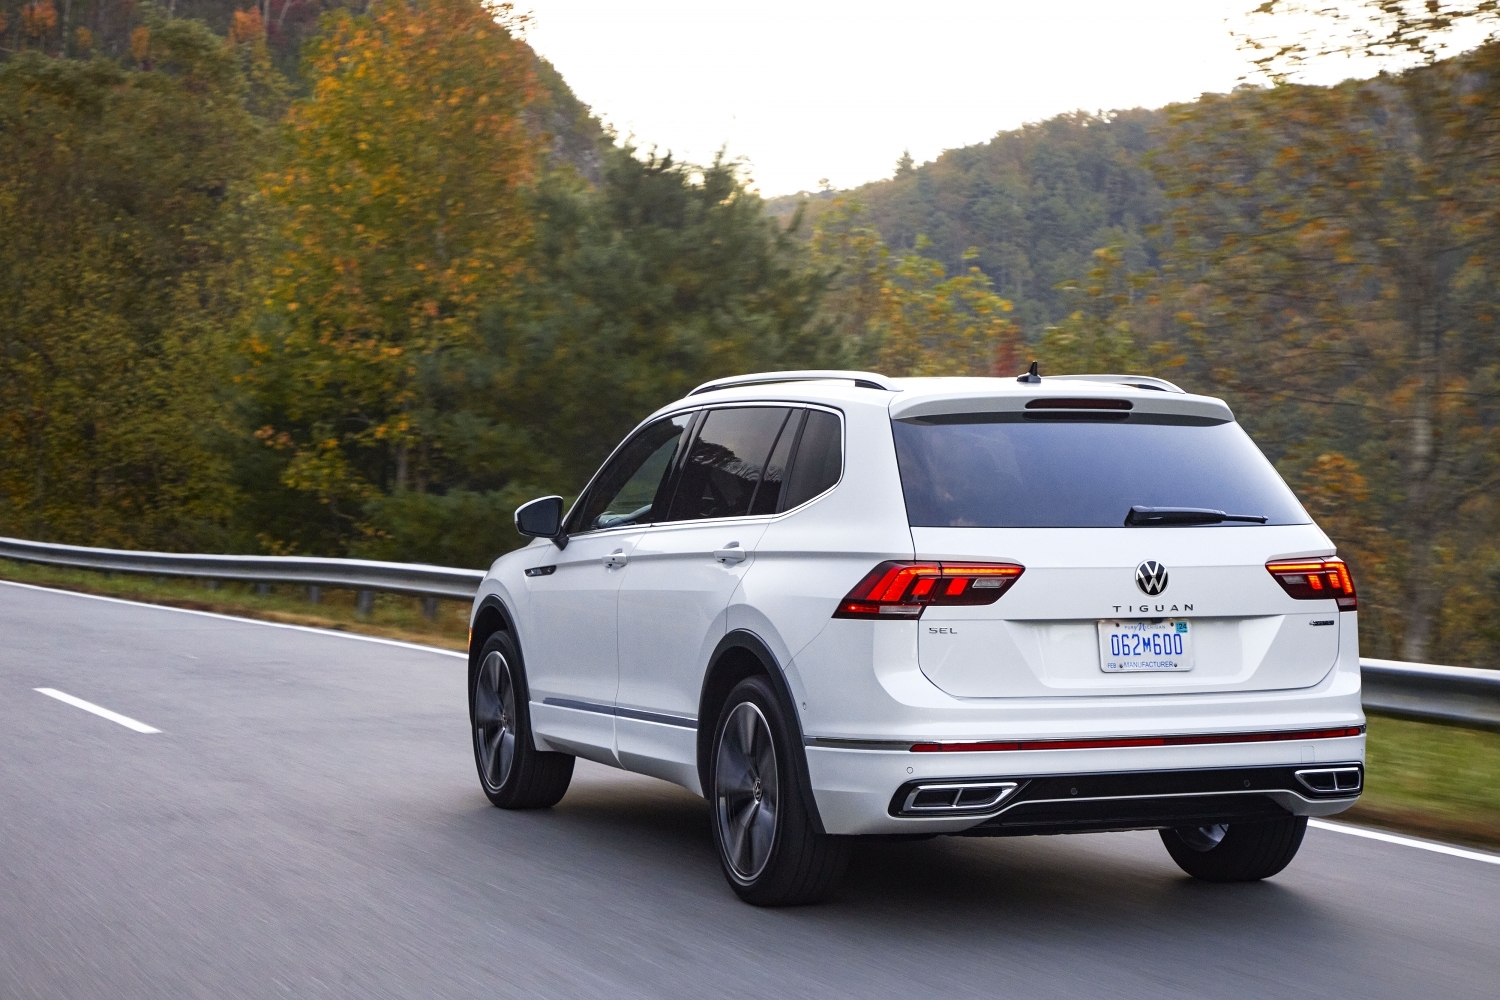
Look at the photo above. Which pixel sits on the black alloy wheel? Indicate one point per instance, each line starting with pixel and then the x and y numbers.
pixel 494 721
pixel 746 792
pixel 769 845
pixel 512 772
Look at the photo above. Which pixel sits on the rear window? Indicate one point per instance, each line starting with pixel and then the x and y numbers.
pixel 1003 471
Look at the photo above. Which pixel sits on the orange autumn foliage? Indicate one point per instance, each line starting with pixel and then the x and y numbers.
pixel 38 18
pixel 246 26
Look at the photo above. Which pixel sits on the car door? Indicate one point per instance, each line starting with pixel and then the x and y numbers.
pixel 682 573
pixel 572 661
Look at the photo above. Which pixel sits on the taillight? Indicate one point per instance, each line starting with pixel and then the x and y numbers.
pixel 904 589
pixel 1316 580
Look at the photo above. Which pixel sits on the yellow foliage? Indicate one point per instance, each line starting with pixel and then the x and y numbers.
pixel 394 235
pixel 907 316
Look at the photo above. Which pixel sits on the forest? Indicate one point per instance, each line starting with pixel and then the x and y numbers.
pixel 305 277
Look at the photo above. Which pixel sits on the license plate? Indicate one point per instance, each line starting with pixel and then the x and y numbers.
pixel 1142 646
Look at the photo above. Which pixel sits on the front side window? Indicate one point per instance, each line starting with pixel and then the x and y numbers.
pixel 631 488
pixel 726 463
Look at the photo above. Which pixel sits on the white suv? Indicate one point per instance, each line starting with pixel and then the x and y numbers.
pixel 835 603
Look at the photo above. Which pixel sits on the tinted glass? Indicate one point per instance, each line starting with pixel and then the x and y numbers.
pixel 630 487
pixel 1023 474
pixel 819 460
pixel 768 494
pixel 724 463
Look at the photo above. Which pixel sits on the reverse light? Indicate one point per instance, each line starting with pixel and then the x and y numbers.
pixel 904 589
pixel 1316 580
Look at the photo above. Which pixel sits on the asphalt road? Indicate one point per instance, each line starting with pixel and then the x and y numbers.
pixel 308 823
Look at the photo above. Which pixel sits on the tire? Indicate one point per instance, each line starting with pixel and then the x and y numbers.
pixel 769 848
pixel 512 772
pixel 1238 852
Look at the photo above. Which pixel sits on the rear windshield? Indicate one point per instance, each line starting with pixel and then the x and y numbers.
pixel 1002 471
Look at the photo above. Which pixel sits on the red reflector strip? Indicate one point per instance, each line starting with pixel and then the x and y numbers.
pixel 983 746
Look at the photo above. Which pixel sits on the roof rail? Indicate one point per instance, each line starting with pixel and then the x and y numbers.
pixel 864 380
pixel 1137 381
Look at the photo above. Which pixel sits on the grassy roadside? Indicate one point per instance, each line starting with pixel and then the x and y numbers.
pixel 394 616
pixel 1426 780
pixel 1431 781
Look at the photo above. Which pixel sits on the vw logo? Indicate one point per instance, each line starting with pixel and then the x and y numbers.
pixel 1151 577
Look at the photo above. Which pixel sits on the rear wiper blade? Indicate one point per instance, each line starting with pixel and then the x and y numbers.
pixel 1147 517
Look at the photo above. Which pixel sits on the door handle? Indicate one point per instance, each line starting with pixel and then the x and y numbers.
pixel 616 559
pixel 730 553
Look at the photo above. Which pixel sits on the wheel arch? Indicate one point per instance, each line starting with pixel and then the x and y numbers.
pixel 493 616
pixel 741 654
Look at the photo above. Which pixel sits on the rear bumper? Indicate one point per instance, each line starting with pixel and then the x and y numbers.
pixel 1134 800
pixel 861 791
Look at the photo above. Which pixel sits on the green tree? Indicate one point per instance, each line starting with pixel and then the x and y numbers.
pixel 903 313
pixel 1334 259
pixel 1098 336
pixel 119 201
pixel 659 278
pixel 400 215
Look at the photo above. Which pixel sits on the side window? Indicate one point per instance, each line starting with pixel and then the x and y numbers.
pixel 724 463
pixel 819 460
pixel 768 494
pixel 631 488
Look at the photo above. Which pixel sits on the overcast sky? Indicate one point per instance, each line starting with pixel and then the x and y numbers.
pixel 836 90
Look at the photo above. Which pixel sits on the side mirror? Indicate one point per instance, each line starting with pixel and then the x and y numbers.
pixel 541 518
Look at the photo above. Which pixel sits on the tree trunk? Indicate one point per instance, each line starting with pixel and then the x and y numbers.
pixel 1421 470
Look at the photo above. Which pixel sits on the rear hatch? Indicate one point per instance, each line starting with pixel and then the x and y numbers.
pixel 1046 478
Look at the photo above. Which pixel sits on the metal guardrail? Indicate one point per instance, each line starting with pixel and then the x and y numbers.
pixel 1459 696
pixel 1455 696
pixel 349 574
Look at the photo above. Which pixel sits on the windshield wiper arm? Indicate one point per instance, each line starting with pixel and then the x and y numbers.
pixel 1149 517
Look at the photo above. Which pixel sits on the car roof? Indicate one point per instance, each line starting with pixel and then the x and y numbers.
pixel 917 397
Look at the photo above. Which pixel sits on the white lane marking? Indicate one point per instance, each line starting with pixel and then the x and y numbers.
pixel 1391 838
pixel 251 621
pixel 103 713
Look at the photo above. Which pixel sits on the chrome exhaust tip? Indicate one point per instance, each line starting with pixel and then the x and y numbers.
pixel 1331 780
pixel 957 797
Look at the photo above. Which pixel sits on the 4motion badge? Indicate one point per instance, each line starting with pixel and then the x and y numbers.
pixel 1151 577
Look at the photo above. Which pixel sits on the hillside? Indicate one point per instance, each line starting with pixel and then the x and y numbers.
pixel 1036 202
pixel 116 30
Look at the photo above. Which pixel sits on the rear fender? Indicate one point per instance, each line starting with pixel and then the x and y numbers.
pixel 741 654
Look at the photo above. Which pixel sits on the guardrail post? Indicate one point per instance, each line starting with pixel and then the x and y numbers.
pixel 365 603
pixel 430 608
pixel 314 594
